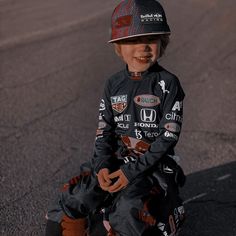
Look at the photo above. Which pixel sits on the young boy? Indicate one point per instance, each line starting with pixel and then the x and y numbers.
pixel 132 173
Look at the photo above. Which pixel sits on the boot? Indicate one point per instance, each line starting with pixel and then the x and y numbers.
pixel 111 233
pixel 74 227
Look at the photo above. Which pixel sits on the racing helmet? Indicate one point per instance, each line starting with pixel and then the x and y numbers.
pixel 132 18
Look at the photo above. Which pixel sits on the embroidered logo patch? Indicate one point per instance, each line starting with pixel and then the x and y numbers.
pixel 119 103
pixel 151 18
pixel 147 100
pixel 173 127
pixel 102 106
pixel 163 86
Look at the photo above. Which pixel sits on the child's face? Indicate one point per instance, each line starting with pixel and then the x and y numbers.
pixel 139 52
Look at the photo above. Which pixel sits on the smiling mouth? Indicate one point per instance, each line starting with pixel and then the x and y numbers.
pixel 143 60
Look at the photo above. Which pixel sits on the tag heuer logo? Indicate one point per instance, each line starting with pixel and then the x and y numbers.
pixel 119 103
pixel 147 100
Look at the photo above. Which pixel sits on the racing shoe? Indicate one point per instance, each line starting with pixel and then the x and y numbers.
pixel 74 227
pixel 111 233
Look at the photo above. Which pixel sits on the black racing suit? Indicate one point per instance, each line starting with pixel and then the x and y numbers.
pixel 140 119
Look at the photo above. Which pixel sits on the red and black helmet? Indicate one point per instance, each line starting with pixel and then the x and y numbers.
pixel 133 18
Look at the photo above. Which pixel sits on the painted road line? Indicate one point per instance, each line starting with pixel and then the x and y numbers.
pixel 194 198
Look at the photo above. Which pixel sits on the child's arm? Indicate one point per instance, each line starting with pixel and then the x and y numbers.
pixel 105 137
pixel 169 129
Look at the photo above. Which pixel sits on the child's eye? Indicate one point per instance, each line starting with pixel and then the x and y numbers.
pixel 136 40
pixel 152 39
pixel 132 40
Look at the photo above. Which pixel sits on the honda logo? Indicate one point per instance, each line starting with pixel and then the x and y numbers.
pixel 148 115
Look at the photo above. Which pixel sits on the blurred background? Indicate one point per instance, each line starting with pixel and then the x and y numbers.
pixel 54 60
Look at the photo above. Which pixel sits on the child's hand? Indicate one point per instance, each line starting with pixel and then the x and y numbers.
pixel 103 178
pixel 120 183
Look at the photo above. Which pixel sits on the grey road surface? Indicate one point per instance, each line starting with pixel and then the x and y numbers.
pixel 54 60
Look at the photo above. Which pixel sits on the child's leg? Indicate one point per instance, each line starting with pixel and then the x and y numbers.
pixel 142 206
pixel 53 229
pixel 68 227
pixel 126 215
pixel 80 196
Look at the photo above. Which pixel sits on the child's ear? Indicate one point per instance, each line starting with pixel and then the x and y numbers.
pixel 117 49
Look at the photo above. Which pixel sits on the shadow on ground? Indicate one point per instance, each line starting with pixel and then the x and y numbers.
pixel 210 202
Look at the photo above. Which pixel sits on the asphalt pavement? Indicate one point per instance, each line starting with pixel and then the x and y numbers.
pixel 54 60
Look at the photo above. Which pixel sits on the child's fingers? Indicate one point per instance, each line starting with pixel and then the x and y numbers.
pixel 114 174
pixel 103 177
pixel 104 180
pixel 101 181
pixel 115 187
pixel 104 186
pixel 107 179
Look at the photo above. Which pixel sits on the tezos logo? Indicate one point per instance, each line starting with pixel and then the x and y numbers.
pixel 148 115
pixel 138 134
pixel 147 100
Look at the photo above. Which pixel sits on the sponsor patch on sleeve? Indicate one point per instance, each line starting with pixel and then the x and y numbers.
pixel 102 105
pixel 171 135
pixel 119 103
pixel 173 127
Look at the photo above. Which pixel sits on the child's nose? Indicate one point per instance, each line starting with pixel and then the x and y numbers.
pixel 147 48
